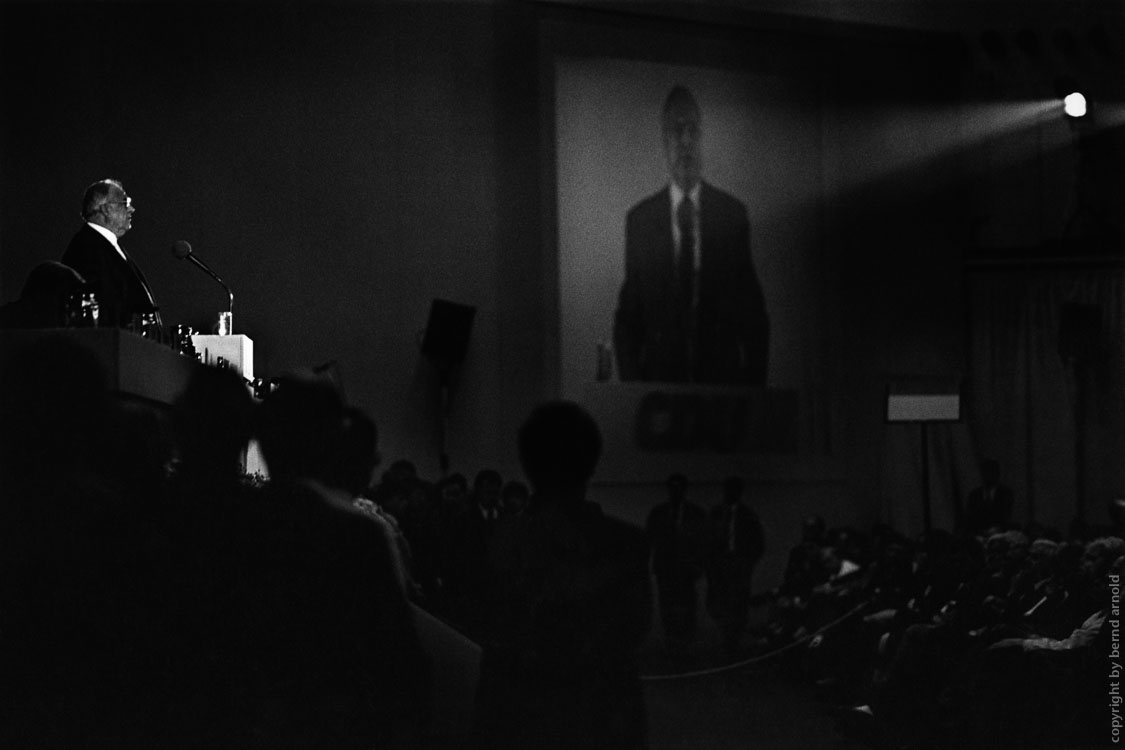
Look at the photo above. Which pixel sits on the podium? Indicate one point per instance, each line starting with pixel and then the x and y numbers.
pixel 237 352
pixel 134 366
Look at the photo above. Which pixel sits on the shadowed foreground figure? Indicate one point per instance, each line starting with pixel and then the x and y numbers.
pixel 43 300
pixel 573 605
pixel 82 626
pixel 334 659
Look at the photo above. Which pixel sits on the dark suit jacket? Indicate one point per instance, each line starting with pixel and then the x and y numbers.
pixel 676 548
pixel 120 286
pixel 573 604
pixel 749 542
pixel 730 341
pixel 331 658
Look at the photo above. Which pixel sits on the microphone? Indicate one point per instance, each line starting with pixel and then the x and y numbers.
pixel 182 249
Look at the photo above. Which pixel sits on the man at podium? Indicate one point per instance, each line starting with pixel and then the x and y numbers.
pixel 96 253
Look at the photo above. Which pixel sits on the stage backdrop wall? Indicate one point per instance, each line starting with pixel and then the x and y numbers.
pixel 341 166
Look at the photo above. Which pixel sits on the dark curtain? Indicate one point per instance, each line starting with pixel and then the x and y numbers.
pixel 1046 391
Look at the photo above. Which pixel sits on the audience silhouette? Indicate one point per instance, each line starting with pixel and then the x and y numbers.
pixel 677 531
pixel 335 658
pixel 572 604
pixel 156 596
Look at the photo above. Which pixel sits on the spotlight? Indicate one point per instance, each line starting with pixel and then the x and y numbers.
pixel 1074 104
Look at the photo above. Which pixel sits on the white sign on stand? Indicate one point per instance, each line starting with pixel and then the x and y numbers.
pixel 237 351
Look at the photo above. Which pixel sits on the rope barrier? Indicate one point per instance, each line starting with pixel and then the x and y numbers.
pixel 755 659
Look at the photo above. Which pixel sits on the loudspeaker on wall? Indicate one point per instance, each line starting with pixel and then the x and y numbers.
pixel 447 333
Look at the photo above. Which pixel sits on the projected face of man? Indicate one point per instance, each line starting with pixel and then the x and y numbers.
pixel 682 139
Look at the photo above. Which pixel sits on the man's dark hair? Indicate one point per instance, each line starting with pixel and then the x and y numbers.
pixel 559 446
pixel 300 427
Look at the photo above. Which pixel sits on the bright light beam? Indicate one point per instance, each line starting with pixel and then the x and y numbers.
pixel 1075 104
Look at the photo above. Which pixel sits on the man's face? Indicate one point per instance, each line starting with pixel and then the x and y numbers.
pixel 117 212
pixel 681 144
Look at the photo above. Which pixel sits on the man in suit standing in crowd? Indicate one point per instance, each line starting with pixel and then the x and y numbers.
pixel 691 308
pixel 96 253
pixel 989 507
pixel 676 530
pixel 737 546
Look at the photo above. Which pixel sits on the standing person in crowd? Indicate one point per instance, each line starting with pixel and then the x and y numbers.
pixel 676 530
pixel 737 544
pixel 468 539
pixel 358 459
pixel 573 605
pixel 989 507
pixel 95 252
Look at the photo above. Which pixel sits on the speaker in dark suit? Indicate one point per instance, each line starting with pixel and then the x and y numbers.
pixel 96 254
pixel 691 308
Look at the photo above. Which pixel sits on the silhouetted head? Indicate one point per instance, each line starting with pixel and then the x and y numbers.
pixel 559 446
pixel 677 485
pixel 214 422
pixel 43 300
pixel 300 428
pixel 359 453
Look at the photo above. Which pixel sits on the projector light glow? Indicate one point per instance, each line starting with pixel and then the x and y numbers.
pixel 1074 104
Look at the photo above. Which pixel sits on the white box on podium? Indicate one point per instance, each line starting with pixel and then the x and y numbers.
pixel 236 349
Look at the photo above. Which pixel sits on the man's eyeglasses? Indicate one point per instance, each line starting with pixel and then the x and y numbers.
pixel 127 203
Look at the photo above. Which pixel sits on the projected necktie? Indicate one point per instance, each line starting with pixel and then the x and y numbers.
pixel 685 267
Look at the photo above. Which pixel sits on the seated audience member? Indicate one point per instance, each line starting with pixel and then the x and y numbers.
pixel 333 652
pixel 573 604
pixel 1040 691
pixel 43 300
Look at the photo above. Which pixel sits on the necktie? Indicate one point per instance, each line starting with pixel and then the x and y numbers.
pixel 145 286
pixel 685 266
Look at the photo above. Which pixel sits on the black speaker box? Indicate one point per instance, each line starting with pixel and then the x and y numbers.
pixel 447 333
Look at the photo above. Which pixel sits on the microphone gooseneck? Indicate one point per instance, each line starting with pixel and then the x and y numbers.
pixel 182 249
